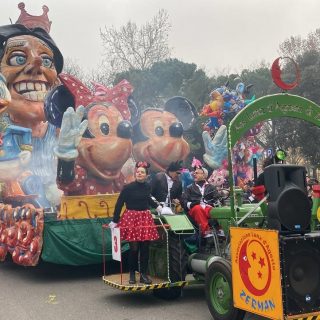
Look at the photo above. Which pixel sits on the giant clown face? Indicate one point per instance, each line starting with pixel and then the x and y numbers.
pixel 28 66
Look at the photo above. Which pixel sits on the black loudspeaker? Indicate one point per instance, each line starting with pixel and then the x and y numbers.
pixel 289 209
pixel 300 264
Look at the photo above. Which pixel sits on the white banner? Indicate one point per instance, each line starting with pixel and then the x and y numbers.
pixel 116 244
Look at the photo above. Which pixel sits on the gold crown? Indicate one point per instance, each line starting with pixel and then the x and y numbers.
pixel 31 22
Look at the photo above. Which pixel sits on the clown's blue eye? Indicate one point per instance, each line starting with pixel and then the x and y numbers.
pixel 46 61
pixel 17 60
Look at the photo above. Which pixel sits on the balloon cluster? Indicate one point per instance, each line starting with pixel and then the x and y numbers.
pixel 224 104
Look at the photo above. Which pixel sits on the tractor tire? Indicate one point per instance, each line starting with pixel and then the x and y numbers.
pixel 219 292
pixel 178 260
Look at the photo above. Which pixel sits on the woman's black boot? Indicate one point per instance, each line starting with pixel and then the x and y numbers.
pixel 144 258
pixel 144 279
pixel 132 279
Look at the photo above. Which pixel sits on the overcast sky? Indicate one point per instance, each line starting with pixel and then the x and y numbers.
pixel 215 34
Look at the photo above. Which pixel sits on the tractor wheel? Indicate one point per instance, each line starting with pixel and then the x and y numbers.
pixel 178 260
pixel 219 292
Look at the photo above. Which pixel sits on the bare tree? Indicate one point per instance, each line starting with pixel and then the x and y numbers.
pixel 100 74
pixel 133 47
pixel 292 47
pixel 72 67
pixel 295 46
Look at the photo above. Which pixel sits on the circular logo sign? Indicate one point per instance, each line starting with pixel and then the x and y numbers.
pixel 255 267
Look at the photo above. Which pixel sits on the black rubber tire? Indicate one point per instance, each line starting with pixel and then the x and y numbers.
pixel 178 260
pixel 218 289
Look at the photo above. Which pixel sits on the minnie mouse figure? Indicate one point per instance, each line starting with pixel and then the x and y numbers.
pixel 95 136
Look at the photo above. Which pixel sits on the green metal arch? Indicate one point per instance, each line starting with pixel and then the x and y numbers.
pixel 269 107
pixel 265 108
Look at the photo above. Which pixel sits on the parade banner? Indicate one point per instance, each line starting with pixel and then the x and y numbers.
pixel 256 271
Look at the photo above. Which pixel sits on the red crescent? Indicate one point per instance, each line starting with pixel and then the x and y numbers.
pixel 276 74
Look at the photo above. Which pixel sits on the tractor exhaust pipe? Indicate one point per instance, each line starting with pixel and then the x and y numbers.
pixel 200 262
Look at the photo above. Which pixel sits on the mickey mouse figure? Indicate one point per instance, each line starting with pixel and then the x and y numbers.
pixel 95 140
pixel 158 137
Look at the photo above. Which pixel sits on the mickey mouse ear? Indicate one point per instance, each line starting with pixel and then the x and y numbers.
pixel 134 110
pixel 143 164
pixel 183 109
pixel 56 103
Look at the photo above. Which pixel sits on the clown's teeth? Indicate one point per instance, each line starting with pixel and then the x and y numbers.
pixel 34 95
pixel 31 95
pixel 22 86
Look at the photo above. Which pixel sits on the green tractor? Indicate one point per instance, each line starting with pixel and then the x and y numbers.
pixel 255 269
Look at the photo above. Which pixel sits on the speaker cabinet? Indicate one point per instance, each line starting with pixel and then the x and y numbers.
pixel 289 209
pixel 300 264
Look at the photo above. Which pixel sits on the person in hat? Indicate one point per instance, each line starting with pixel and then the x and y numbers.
pixel 197 200
pixel 136 224
pixel 166 186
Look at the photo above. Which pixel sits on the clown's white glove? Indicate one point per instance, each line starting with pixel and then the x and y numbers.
pixel 72 129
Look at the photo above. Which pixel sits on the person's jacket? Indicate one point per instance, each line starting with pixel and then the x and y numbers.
pixel 193 194
pixel 159 188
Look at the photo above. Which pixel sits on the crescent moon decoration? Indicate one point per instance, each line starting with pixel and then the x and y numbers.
pixel 276 74
pixel 244 267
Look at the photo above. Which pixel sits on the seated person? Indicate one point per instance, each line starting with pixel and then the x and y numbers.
pixel 197 201
pixel 166 186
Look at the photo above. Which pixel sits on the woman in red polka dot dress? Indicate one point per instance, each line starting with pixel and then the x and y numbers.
pixel 137 225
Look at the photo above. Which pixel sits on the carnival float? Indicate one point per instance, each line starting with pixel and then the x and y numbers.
pixel 66 150
pixel 56 135
pixel 70 149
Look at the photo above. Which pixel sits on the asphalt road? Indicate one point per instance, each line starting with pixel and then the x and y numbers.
pixel 52 292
